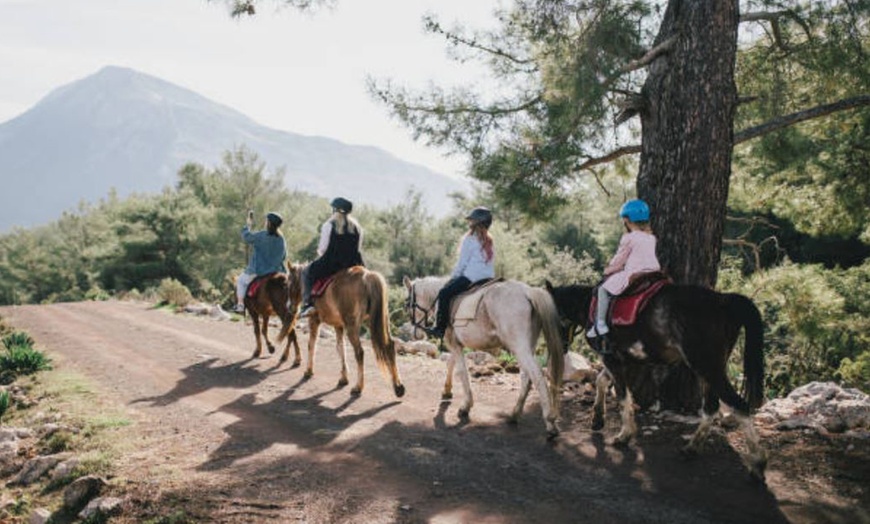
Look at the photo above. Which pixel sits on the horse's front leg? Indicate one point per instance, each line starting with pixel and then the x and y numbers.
pixel 339 347
pixel 313 332
pixel 292 339
pixel 599 409
pixel 447 392
pixel 353 336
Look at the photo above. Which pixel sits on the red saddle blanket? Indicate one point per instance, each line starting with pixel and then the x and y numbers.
pixel 254 286
pixel 320 286
pixel 625 308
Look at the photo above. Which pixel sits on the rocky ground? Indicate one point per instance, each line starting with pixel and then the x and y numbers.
pixel 191 429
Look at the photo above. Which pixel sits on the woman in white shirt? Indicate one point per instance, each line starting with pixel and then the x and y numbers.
pixel 476 263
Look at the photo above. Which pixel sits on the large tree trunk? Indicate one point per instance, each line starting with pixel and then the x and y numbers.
pixel 690 98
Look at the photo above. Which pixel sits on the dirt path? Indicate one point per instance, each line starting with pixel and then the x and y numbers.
pixel 237 440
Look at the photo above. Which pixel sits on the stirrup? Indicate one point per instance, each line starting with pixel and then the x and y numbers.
pixel 306 310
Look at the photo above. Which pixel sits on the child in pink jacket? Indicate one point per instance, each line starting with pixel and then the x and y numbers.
pixel 636 254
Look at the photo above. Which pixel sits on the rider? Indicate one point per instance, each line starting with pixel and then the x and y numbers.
pixel 476 263
pixel 270 252
pixel 636 254
pixel 339 248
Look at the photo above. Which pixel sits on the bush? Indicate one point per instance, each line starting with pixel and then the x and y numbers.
pixel 174 293
pixel 22 360
pixel 17 338
pixel 4 403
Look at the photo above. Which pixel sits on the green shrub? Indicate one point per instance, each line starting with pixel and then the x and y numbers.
pixel 174 293
pixel 97 293
pixel 23 360
pixel 4 403
pixel 17 338
pixel 856 373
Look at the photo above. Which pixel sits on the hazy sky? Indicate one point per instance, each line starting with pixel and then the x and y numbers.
pixel 296 72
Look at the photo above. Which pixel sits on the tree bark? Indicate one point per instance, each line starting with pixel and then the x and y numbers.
pixel 687 140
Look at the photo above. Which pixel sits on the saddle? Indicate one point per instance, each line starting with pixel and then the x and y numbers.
pixel 320 285
pixel 464 306
pixel 255 284
pixel 625 308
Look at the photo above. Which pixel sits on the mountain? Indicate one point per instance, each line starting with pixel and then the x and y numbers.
pixel 126 130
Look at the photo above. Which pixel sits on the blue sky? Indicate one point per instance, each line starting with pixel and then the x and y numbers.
pixel 296 72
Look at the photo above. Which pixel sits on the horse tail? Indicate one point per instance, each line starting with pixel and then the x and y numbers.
pixel 379 321
pixel 545 308
pixel 745 311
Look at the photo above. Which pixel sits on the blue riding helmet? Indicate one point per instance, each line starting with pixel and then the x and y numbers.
pixel 274 219
pixel 635 210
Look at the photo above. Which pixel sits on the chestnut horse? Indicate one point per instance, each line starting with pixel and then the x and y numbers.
pixel 509 315
pixel 355 296
pixel 681 323
pixel 279 295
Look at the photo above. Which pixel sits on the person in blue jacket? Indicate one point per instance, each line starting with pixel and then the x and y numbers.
pixel 476 263
pixel 269 254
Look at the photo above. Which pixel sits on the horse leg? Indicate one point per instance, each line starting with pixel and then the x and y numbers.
pixel 292 338
pixel 709 412
pixel 626 403
pixel 256 321
pixel 525 386
pixel 313 331
pixel 269 345
pixel 339 347
pixel 526 359
pixel 447 393
pixel 462 368
pixel 353 336
pixel 602 384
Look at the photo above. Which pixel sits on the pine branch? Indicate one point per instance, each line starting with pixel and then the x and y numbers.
pixel 753 132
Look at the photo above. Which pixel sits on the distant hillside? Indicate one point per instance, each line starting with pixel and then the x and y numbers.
pixel 122 129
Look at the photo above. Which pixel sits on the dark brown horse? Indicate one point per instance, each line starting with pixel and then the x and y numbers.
pixel 685 323
pixel 280 296
pixel 356 297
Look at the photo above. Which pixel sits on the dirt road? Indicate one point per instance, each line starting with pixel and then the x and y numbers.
pixel 232 439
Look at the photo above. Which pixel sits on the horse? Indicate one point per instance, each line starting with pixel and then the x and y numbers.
pixel 355 296
pixel 687 323
pixel 279 294
pixel 510 315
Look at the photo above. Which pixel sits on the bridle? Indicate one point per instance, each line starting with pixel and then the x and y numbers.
pixel 412 306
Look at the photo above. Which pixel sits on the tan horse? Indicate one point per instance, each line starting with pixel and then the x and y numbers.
pixel 356 296
pixel 510 315
pixel 280 296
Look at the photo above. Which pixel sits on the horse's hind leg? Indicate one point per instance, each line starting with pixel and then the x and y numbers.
pixel 339 347
pixel 525 386
pixel 462 368
pixel 269 345
pixel 602 384
pixel 447 392
pixel 353 336
pixel 529 367
pixel 756 459
pixel 256 322
pixel 313 331
pixel 709 412
pixel 292 339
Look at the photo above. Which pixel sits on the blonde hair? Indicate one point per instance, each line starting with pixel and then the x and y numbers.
pixel 344 224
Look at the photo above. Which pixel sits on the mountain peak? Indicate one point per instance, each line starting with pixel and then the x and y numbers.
pixel 123 129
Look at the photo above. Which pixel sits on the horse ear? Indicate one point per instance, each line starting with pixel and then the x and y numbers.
pixel 407 282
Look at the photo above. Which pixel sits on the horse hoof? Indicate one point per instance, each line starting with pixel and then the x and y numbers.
pixel 308 374
pixel 342 382
pixel 271 349
pixel 355 392
pixel 463 414
pixel 296 364
pixel 399 390
pixel 446 396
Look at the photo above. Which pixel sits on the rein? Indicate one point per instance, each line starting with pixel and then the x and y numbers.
pixel 412 306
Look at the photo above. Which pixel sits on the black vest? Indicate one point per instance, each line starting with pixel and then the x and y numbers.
pixel 342 253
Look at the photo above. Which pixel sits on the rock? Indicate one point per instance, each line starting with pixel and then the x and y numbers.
pixel 64 469
pixel 35 468
pixel 81 491
pixel 578 369
pixel 480 358
pixel 217 313
pixel 14 434
pixel 823 406
pixel 420 347
pixel 39 516
pixel 102 507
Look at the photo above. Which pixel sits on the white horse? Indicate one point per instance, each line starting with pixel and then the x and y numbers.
pixel 508 315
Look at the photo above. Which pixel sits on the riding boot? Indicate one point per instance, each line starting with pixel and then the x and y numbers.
pixel 307 306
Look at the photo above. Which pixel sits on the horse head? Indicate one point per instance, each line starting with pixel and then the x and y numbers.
pixel 572 303
pixel 421 299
